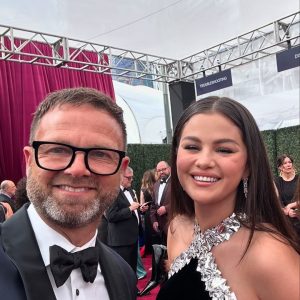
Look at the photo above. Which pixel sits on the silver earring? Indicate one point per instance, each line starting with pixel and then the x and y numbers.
pixel 245 185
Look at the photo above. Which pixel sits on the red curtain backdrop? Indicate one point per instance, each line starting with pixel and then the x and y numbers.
pixel 22 87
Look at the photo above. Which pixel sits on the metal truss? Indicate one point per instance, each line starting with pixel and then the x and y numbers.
pixel 70 53
pixel 269 39
pixel 27 46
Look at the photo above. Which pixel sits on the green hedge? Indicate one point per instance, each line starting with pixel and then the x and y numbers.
pixel 144 157
pixel 277 142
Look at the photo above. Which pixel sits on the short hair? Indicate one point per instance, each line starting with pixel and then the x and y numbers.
pixel 129 169
pixel 262 204
pixel 4 185
pixel 281 159
pixel 77 97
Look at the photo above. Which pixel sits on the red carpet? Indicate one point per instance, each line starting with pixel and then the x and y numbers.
pixel 143 282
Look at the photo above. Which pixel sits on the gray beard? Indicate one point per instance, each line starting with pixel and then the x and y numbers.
pixel 48 207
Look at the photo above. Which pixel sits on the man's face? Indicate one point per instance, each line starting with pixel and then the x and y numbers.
pixel 74 197
pixel 127 179
pixel 163 170
pixel 11 189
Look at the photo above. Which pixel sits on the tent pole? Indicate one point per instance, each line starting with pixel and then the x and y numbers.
pixel 167 112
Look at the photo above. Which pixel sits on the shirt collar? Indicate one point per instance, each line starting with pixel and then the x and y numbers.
pixel 47 236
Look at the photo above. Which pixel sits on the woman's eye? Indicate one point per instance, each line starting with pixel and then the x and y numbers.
pixel 224 150
pixel 190 147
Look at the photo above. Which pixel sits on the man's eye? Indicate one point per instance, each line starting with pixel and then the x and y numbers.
pixel 58 150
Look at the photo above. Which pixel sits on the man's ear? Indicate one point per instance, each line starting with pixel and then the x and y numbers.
pixel 28 153
pixel 124 164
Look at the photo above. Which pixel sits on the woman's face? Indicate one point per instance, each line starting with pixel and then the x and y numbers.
pixel 287 166
pixel 211 159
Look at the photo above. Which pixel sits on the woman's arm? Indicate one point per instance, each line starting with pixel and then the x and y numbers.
pixel 292 210
pixel 142 198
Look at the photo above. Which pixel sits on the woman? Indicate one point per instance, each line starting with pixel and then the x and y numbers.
pixel 146 196
pixel 293 209
pixel 228 238
pixel 286 186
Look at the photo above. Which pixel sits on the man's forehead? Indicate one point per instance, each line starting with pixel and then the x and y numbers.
pixel 161 165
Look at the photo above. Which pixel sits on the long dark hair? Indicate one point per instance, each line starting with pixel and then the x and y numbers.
pixel 148 181
pixel 262 204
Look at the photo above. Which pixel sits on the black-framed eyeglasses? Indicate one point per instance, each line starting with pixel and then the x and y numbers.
pixel 129 177
pixel 53 156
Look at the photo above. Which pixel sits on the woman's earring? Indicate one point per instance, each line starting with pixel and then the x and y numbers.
pixel 245 185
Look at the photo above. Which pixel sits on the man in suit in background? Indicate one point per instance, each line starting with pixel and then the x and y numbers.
pixel 49 248
pixel 123 221
pixel 7 192
pixel 162 194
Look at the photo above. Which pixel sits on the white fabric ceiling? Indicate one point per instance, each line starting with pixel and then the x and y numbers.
pixel 169 28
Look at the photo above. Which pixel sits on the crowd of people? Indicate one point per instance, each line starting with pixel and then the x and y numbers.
pixel 229 227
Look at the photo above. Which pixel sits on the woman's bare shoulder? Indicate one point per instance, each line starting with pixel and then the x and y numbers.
pixel 181 222
pixel 180 235
pixel 268 256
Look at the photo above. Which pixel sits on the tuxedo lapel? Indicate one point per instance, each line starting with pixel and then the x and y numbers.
pixel 20 245
pixel 163 196
pixel 111 272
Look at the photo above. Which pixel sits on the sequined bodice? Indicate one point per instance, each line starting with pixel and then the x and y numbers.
pixel 200 249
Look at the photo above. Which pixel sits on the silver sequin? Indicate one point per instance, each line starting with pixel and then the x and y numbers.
pixel 200 248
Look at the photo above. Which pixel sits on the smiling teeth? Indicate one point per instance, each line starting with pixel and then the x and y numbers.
pixel 71 189
pixel 205 179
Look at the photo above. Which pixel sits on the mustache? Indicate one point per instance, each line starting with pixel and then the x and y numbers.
pixel 86 182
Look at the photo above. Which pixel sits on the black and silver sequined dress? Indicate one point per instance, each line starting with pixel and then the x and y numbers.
pixel 194 274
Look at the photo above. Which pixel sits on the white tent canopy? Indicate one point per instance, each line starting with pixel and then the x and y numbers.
pixel 168 28
pixel 143 113
pixel 174 29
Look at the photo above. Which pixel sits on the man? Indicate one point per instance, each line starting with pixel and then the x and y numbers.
pixel 123 221
pixel 162 194
pixel 7 192
pixel 73 167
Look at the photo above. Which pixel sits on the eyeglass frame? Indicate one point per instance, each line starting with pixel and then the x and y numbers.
pixel 36 144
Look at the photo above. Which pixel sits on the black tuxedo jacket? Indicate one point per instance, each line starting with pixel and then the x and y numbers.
pixel 165 201
pixel 23 271
pixel 123 227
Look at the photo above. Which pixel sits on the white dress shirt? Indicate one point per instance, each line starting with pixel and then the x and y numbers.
pixel 74 287
pixel 130 200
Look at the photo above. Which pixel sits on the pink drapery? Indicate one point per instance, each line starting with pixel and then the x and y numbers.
pixel 22 87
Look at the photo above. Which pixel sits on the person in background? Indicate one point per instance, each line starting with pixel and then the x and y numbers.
pixel 228 238
pixel 49 248
pixel 7 192
pixel 293 209
pixel 286 186
pixel 160 206
pixel 2 213
pixel 146 196
pixel 123 221
pixel 21 194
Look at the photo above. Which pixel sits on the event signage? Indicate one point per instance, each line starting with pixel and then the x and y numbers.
pixel 288 59
pixel 213 82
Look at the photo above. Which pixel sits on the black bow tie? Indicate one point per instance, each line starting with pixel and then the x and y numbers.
pixel 63 262
pixel 163 181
